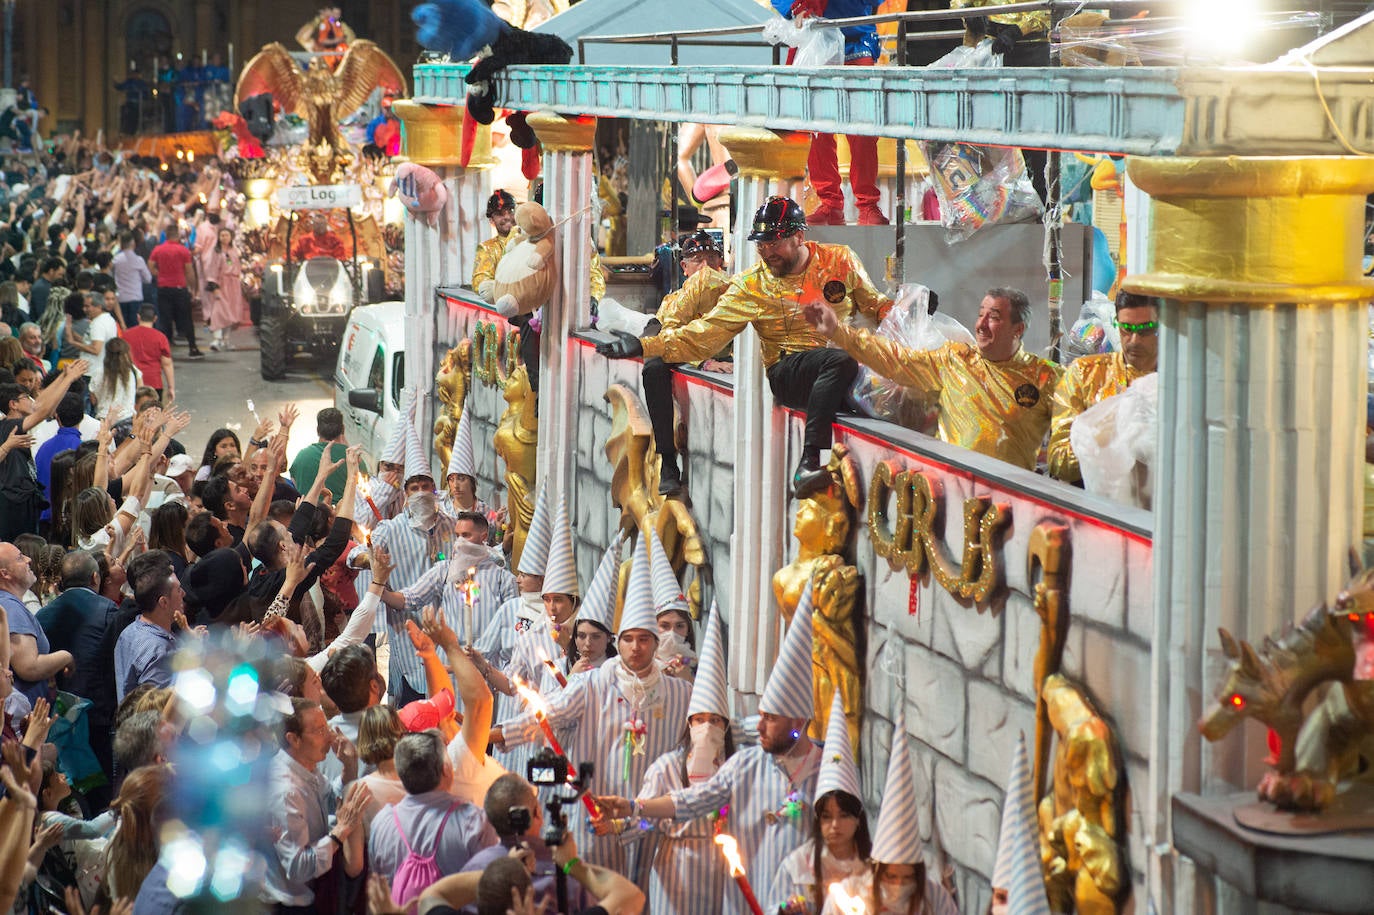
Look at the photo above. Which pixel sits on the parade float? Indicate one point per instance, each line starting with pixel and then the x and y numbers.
pixel 984 601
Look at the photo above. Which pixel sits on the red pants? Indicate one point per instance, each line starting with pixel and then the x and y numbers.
pixel 821 164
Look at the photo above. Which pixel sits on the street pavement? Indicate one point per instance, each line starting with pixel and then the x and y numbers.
pixel 216 390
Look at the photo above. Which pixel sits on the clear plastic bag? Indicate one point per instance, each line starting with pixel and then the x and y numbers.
pixel 1114 441
pixel 911 324
pixel 978 185
pixel 1094 331
pixel 817 45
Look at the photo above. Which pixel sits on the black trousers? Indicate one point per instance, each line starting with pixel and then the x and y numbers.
pixel 529 349
pixel 658 397
pixel 174 305
pixel 817 381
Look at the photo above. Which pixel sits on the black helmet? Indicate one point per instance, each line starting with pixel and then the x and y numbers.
pixel 499 202
pixel 779 217
pixel 699 242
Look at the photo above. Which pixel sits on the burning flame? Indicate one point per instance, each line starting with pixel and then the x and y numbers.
pixel 367 534
pixel 532 698
pixel 849 905
pixel 363 489
pixel 730 849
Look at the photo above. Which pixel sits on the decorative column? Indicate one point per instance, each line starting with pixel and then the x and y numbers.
pixel 441 255
pixel 567 142
pixel 767 160
pixel 1258 498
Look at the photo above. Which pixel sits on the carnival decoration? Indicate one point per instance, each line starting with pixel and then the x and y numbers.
pixel 464 29
pixel 516 442
pixel 822 528
pixel 526 14
pixel 913 539
pixel 421 190
pixel 451 382
pixel 634 489
pixel 1049 550
pixel 1315 746
pixel 321 95
pixel 1080 820
pixel 528 271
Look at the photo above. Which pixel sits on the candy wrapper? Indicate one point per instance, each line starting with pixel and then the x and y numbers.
pixel 1094 331
pixel 978 185
pixel 1114 441
pixel 910 323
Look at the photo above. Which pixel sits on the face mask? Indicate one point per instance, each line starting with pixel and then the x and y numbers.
pixel 422 508
pixel 897 898
pixel 708 745
pixel 671 645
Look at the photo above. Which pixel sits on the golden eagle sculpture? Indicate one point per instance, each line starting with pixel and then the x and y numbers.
pixel 321 96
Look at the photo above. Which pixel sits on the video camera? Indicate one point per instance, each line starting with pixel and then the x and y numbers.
pixel 547 769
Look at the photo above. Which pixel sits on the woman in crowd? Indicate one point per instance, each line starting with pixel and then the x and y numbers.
pixel 167 531
pixel 134 846
pixel 592 644
pixel 378 732
pixel 11 351
pixel 223 287
pixel 119 382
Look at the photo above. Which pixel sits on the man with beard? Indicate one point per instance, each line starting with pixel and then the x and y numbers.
pixel 803 371
pixel 1094 378
pixel 993 398
pixel 768 787
pixel 501 215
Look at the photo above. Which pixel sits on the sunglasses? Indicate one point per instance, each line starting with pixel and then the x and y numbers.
pixel 1144 329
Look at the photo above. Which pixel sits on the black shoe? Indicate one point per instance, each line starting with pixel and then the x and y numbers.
pixel 669 476
pixel 195 354
pixel 808 481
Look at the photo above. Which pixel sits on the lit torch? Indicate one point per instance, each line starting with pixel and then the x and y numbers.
pixel 470 591
pixel 553 668
pixel 367 534
pixel 730 850
pixel 367 497
pixel 847 904
pixel 540 708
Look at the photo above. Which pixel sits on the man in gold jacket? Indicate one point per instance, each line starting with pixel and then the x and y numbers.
pixel 1094 378
pixel 702 263
pixel 993 398
pixel 803 372
pixel 501 213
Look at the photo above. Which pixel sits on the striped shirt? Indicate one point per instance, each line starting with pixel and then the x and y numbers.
pixel 689 875
pixel 595 712
pixel 444 586
pixel 412 553
pixel 757 788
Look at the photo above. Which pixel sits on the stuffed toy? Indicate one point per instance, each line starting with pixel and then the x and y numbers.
pixel 422 191
pixel 464 29
pixel 526 273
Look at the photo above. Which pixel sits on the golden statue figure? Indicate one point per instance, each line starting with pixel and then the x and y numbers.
pixel 451 381
pixel 321 95
pixel 1079 832
pixel 634 490
pixel 822 530
pixel 517 441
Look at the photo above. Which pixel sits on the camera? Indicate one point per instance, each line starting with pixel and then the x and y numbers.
pixel 549 770
pixel 520 819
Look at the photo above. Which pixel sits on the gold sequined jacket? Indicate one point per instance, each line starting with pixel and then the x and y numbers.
pixel 1030 22
pixel 696 297
pixel 1001 409
pixel 1088 380
pixel 773 305
pixel 488 256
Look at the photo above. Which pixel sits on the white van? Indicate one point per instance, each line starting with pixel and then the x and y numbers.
pixel 370 375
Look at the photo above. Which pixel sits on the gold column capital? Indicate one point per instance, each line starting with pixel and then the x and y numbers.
pixel 563 133
pixel 762 153
pixel 1255 230
pixel 433 135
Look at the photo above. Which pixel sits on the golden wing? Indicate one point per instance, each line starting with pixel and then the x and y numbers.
pixel 364 67
pixel 272 70
pixel 628 449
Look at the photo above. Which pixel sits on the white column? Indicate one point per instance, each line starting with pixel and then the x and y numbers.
pixel 761 460
pixel 1258 490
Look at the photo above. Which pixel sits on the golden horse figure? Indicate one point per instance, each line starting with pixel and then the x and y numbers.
pixel 822 530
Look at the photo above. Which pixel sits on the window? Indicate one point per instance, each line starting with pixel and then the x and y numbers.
pixel 375 375
pixel 398 378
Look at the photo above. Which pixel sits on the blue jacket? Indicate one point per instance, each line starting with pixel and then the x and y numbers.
pixel 859 41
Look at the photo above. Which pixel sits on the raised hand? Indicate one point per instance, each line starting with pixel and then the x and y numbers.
pixel 437 628
pixel 382 566
pixel 424 645
pixel 17 440
pixel 288 415
pixel 39 724
pixel 297 569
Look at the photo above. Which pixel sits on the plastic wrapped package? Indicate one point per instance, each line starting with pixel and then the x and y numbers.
pixel 612 316
pixel 817 45
pixel 1094 331
pixel 911 324
pixel 978 185
pixel 1114 441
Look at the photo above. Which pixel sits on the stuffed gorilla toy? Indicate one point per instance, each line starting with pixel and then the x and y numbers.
pixel 463 29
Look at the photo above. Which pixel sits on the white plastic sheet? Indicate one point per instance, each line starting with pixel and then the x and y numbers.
pixel 817 45
pixel 1114 441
